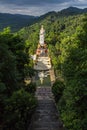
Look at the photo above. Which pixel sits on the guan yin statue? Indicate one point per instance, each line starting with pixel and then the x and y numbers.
pixel 42 36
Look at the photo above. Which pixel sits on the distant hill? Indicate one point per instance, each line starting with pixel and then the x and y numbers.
pixel 63 13
pixel 15 21
pixel 72 11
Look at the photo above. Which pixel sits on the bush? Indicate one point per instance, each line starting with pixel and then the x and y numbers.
pixel 57 90
pixel 18 110
pixel 31 88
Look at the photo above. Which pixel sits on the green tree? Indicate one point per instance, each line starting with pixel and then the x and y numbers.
pixel 75 93
pixel 14 59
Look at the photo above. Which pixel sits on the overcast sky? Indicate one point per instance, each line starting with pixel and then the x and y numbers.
pixel 38 7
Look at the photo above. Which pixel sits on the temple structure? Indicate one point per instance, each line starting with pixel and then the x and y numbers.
pixel 42 62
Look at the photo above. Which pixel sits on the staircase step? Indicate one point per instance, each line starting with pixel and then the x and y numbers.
pixel 46 116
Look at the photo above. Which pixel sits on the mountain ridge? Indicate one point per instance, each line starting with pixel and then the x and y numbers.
pixel 18 21
pixel 15 21
pixel 72 10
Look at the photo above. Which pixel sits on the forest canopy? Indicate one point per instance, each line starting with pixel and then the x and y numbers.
pixel 66 38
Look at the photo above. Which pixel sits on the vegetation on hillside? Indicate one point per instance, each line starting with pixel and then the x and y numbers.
pixel 15 21
pixel 66 37
pixel 17 101
pixel 72 65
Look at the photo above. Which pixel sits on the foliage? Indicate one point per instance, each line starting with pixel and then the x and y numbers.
pixel 31 88
pixel 16 22
pixel 18 110
pixel 14 60
pixel 8 71
pixel 66 37
pixel 57 89
pixel 67 43
pixel 73 102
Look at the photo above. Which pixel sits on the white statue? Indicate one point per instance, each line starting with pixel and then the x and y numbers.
pixel 42 33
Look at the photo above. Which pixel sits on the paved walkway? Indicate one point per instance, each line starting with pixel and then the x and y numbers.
pixel 52 76
pixel 46 115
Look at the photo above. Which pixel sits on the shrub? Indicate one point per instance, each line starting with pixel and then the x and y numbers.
pixel 57 89
pixel 31 88
pixel 18 110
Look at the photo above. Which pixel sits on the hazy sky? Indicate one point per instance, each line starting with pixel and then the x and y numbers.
pixel 38 7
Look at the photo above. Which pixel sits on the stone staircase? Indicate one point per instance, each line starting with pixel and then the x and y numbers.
pixel 46 116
